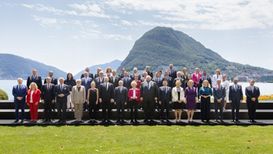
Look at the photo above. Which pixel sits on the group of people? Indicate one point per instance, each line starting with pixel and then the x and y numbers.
pixel 162 92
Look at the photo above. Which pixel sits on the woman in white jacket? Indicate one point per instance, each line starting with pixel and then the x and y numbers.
pixel 178 98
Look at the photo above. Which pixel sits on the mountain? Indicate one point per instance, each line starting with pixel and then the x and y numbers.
pixel 12 67
pixel 93 69
pixel 162 45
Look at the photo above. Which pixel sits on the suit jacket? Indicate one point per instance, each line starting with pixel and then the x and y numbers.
pixel 78 97
pixel 173 74
pixel 86 82
pixel 37 80
pixel 19 92
pixel 48 92
pixel 150 74
pixel 127 82
pixel 106 94
pixel 53 81
pixel 131 93
pixel 114 80
pixel 235 95
pixel 65 91
pixel 165 94
pixel 149 94
pixel 219 93
pixel 121 96
pixel 70 83
pixel 90 75
pixel 175 95
pixel 203 79
pixel 250 94
pixel 35 96
pixel 99 81
pixel 158 81
pixel 196 78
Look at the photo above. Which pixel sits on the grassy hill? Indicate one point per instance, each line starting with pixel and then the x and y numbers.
pixel 161 46
pixel 12 67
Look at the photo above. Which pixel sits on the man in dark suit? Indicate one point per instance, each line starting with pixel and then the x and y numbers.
pixel 149 94
pixel 19 92
pixel 149 72
pixel 48 95
pixel 53 79
pixel 236 97
pixel 98 72
pixel 121 97
pixel 35 78
pixel 219 94
pixel 114 79
pixel 86 82
pixel 252 95
pixel 172 72
pixel 126 80
pixel 100 79
pixel 158 79
pixel 61 92
pixel 106 94
pixel 90 75
pixel 165 97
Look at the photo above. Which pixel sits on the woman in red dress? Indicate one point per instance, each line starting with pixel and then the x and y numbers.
pixel 33 99
pixel 134 100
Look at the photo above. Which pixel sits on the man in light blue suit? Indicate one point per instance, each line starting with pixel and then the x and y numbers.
pixel 19 92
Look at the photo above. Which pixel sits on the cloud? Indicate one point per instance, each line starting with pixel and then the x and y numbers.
pixel 86 9
pixel 202 14
pixel 89 9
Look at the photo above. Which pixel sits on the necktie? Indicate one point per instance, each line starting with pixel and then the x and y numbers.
pixel 107 86
pixel 120 89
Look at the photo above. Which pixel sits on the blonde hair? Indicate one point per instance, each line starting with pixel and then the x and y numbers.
pixel 190 81
pixel 33 83
pixel 133 83
pixel 93 83
pixel 177 82
pixel 206 82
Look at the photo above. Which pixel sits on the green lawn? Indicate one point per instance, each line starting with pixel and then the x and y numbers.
pixel 137 139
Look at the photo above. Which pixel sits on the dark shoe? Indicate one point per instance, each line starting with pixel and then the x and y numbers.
pixel 16 121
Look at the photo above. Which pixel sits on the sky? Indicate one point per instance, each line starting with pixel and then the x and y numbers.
pixel 72 35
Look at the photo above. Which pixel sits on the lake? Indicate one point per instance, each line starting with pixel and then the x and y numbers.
pixel 265 88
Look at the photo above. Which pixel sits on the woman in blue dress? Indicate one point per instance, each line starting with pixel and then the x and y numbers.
pixel 205 93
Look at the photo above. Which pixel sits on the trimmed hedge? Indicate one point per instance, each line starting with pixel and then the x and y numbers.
pixel 3 95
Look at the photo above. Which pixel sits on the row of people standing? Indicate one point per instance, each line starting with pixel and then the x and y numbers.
pixel 148 97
